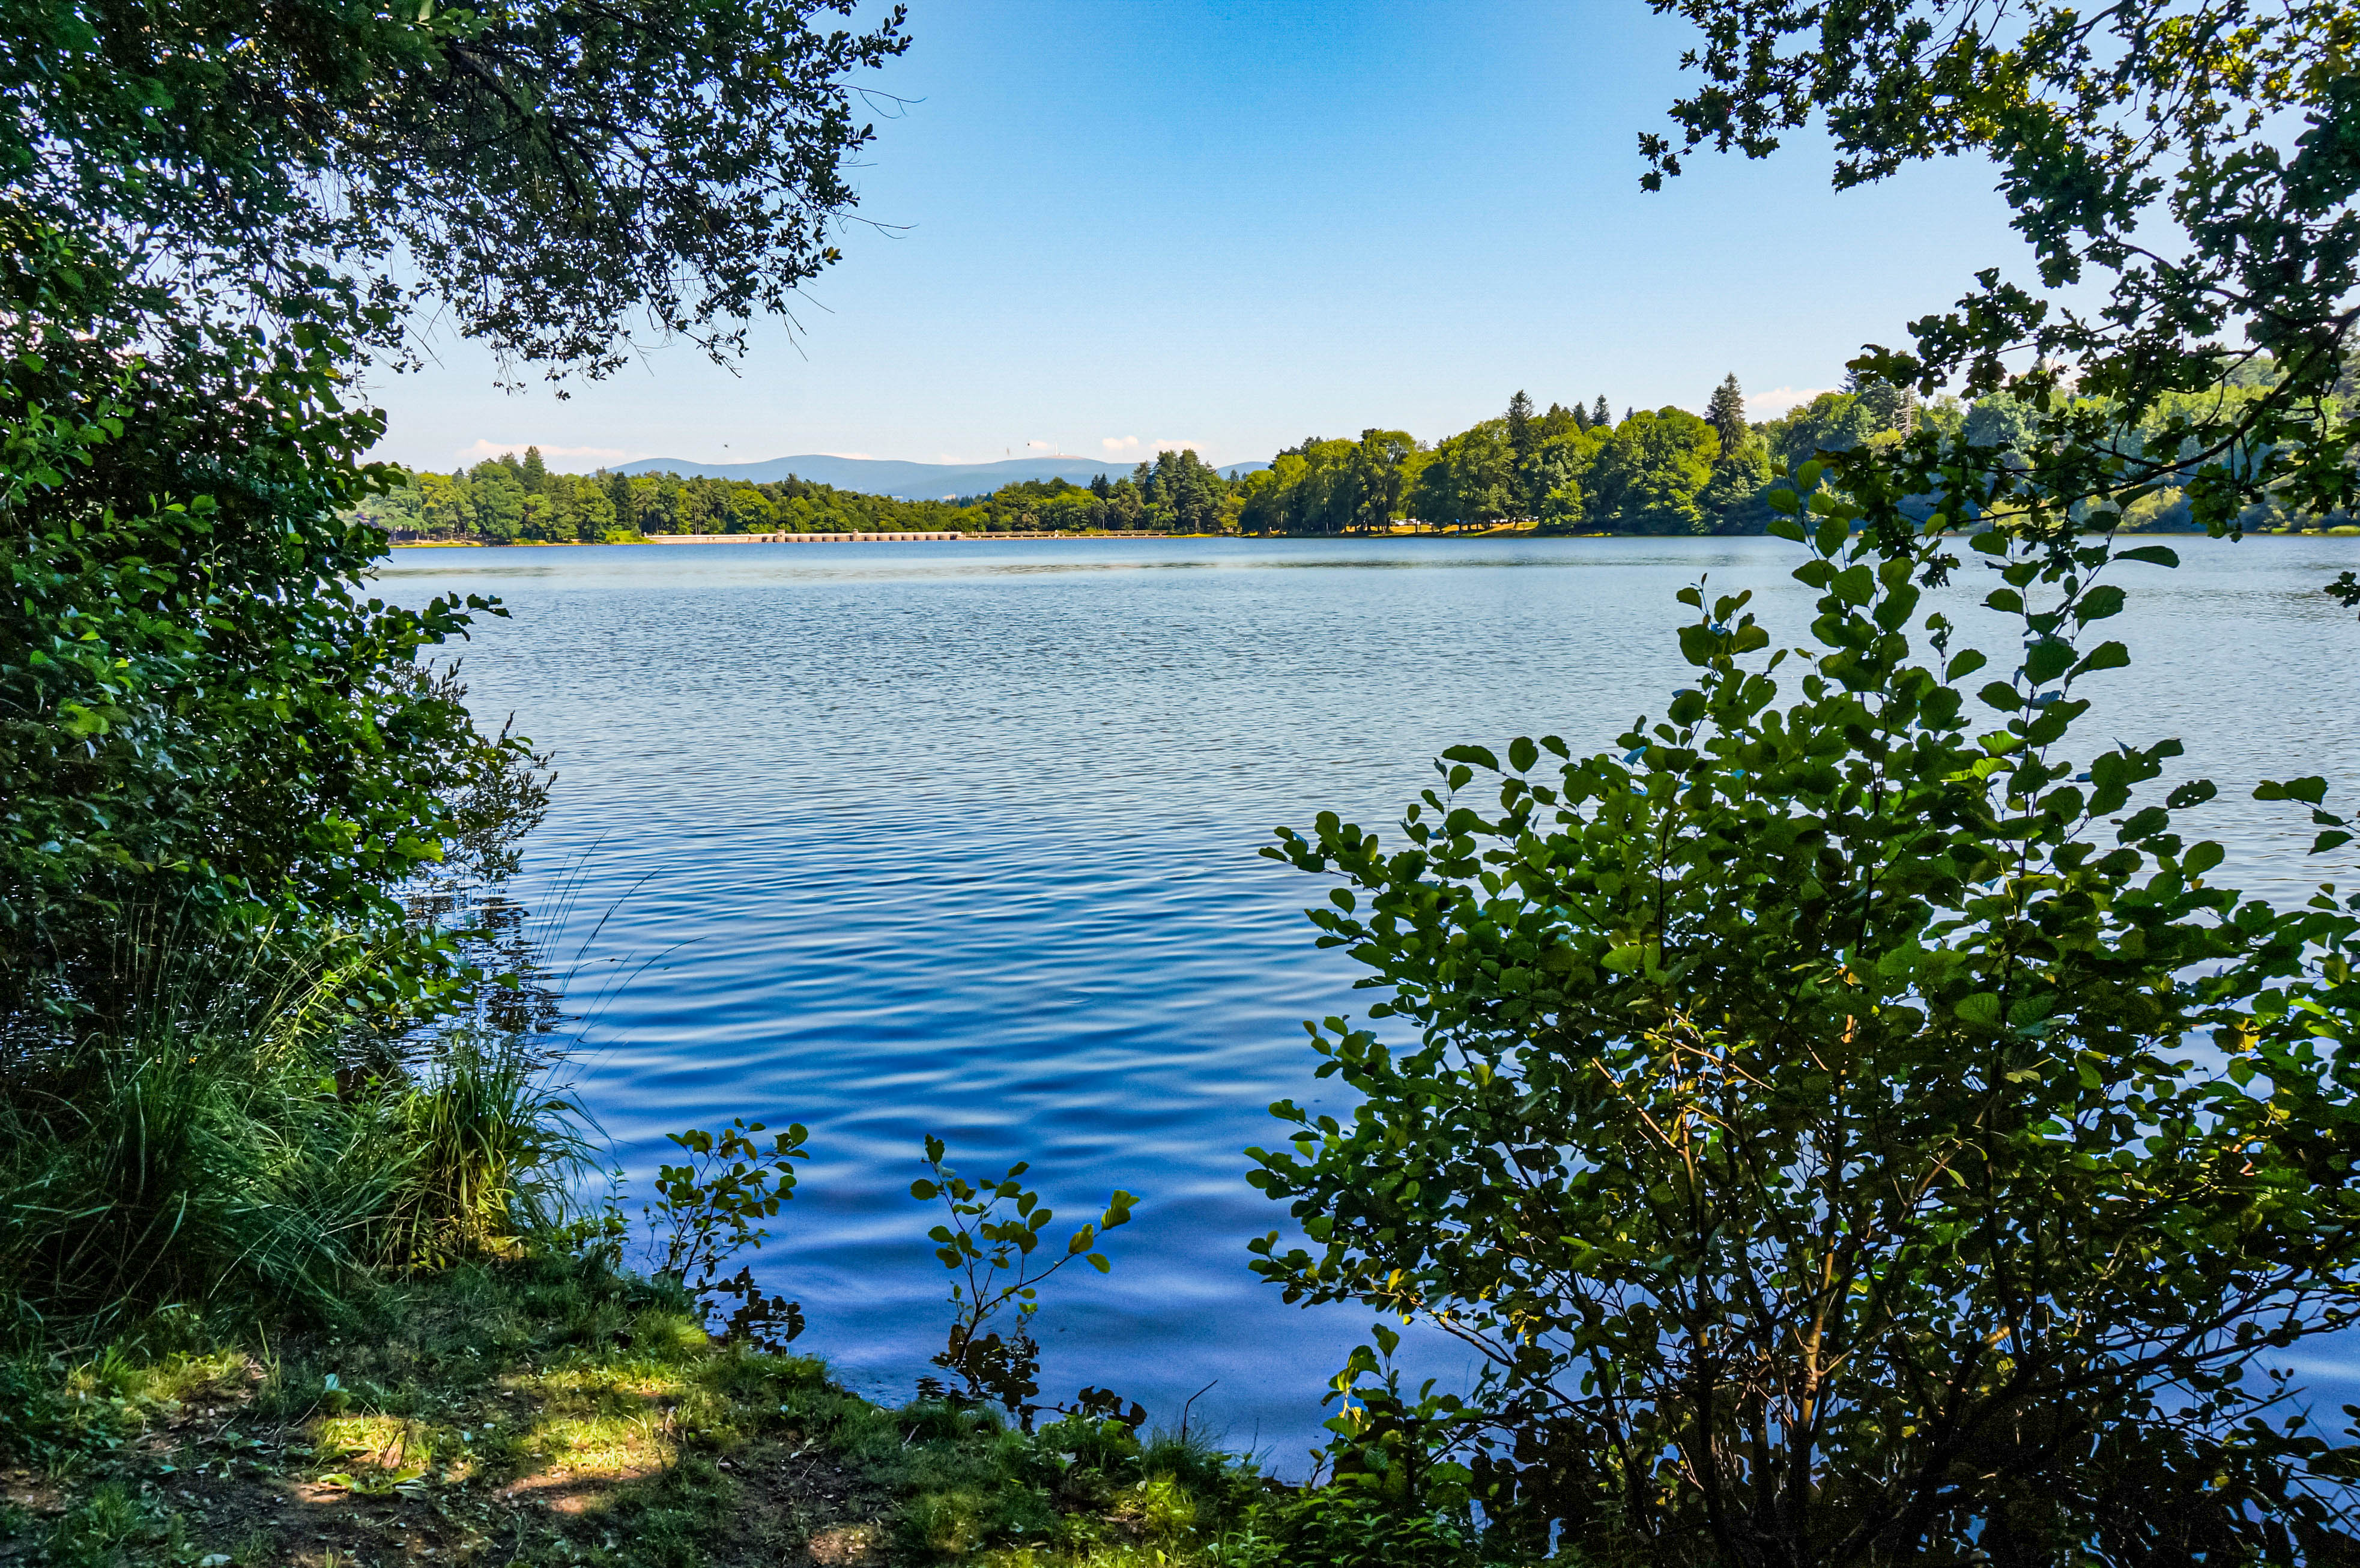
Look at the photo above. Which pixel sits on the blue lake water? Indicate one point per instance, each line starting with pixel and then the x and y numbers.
pixel 960 839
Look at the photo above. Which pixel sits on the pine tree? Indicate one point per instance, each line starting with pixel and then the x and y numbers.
pixel 627 512
pixel 1726 414
pixel 1887 406
pixel 1601 416
pixel 1520 425
pixel 535 473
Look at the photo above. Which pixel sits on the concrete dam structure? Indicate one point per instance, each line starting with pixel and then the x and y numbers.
pixel 791 538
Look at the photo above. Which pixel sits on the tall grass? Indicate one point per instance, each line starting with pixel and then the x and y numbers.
pixel 491 1152
pixel 221 1147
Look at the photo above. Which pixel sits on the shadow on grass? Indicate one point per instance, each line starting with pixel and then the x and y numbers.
pixel 551 1414
pixel 518 1415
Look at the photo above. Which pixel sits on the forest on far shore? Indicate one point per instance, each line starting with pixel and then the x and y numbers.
pixel 1570 470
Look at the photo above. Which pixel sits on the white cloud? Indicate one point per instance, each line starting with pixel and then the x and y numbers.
pixel 1132 449
pixel 1771 404
pixel 565 458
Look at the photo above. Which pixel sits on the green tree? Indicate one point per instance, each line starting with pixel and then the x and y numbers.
pixel 619 496
pixel 2229 125
pixel 1326 486
pixel 1854 1130
pixel 1726 414
pixel 1732 500
pixel 2001 422
pixel 1735 500
pixel 499 502
pixel 1883 404
pixel 550 172
pixel 238 778
pixel 539 521
pixel 1483 474
pixel 594 513
pixel 1383 465
pixel 1434 498
pixel 200 204
pixel 749 511
pixel 1650 475
pixel 1126 510
pixel 1830 422
pixel 1188 493
pixel 1268 493
pixel 1556 475
pixel 1522 436
pixel 533 473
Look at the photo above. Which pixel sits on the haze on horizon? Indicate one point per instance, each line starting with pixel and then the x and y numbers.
pixel 1104 230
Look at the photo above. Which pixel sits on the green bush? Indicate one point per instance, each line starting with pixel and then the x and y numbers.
pixel 1845 1112
pixel 249 782
pixel 1337 1526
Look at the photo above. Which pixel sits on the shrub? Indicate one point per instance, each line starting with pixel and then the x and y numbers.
pixel 1854 1127
pixel 708 1210
pixel 217 1150
pixel 1338 1527
pixel 193 1157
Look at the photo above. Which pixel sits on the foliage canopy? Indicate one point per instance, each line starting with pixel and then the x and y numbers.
pixel 2190 164
pixel 209 728
pixel 552 173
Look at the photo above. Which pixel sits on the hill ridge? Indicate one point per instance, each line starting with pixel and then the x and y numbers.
pixel 904 480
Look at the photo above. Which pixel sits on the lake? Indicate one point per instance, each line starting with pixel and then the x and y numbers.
pixel 960 839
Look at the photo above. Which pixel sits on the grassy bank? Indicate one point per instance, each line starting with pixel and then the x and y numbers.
pixel 548 1410
pixel 276 1291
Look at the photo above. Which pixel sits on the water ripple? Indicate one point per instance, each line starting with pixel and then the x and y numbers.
pixel 959 839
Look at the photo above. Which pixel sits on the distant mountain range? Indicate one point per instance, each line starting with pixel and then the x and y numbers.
pixel 904 481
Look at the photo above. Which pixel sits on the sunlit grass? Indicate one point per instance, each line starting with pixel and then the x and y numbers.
pixel 551 1412
pixel 1098 1554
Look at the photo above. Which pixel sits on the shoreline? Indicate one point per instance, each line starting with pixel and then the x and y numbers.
pixel 2342 532
pixel 549 1409
pixel 884 537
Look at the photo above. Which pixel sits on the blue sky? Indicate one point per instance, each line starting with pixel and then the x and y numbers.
pixel 1137 223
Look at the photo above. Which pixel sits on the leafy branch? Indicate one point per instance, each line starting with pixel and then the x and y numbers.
pixel 990 1241
pixel 711 1209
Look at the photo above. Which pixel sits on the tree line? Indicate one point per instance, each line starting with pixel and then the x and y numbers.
pixel 509 499
pixel 1656 471
pixel 1576 470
